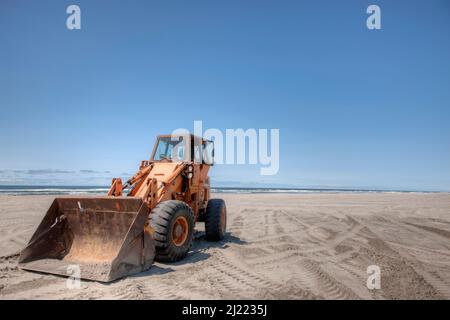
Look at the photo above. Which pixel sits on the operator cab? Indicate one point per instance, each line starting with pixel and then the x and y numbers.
pixel 188 148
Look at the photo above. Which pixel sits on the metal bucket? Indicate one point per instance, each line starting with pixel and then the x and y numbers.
pixel 104 238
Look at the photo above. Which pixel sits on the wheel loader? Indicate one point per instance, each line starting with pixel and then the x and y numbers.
pixel 150 216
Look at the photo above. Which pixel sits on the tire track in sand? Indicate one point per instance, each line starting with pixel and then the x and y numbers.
pixel 238 279
pixel 318 281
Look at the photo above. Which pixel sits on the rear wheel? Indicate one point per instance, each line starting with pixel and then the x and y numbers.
pixel 215 220
pixel 173 223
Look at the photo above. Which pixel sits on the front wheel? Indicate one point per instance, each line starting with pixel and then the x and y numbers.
pixel 173 223
pixel 215 220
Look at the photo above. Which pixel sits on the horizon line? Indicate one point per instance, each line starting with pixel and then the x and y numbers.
pixel 305 188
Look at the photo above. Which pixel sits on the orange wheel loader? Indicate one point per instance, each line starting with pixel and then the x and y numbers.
pixel 150 216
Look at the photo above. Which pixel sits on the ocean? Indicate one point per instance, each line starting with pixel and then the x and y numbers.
pixel 101 190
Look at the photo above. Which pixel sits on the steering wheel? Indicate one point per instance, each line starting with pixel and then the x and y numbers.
pixel 165 157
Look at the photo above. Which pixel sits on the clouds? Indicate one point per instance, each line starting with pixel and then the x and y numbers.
pixel 93 171
pixel 43 171
pixel 52 171
pixel 88 177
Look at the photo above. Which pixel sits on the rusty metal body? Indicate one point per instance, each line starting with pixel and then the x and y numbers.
pixel 109 237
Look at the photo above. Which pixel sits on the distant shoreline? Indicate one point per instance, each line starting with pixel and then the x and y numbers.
pixel 74 190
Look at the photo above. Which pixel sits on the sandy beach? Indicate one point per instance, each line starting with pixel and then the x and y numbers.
pixel 279 246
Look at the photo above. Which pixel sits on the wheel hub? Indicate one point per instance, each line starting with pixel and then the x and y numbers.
pixel 180 231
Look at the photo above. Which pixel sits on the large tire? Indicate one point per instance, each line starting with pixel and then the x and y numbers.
pixel 215 220
pixel 173 223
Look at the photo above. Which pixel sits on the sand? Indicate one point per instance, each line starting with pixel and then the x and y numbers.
pixel 279 246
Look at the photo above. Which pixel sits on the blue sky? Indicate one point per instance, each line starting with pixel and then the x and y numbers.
pixel 355 107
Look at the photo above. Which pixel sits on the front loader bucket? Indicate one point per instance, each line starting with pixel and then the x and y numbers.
pixel 101 238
